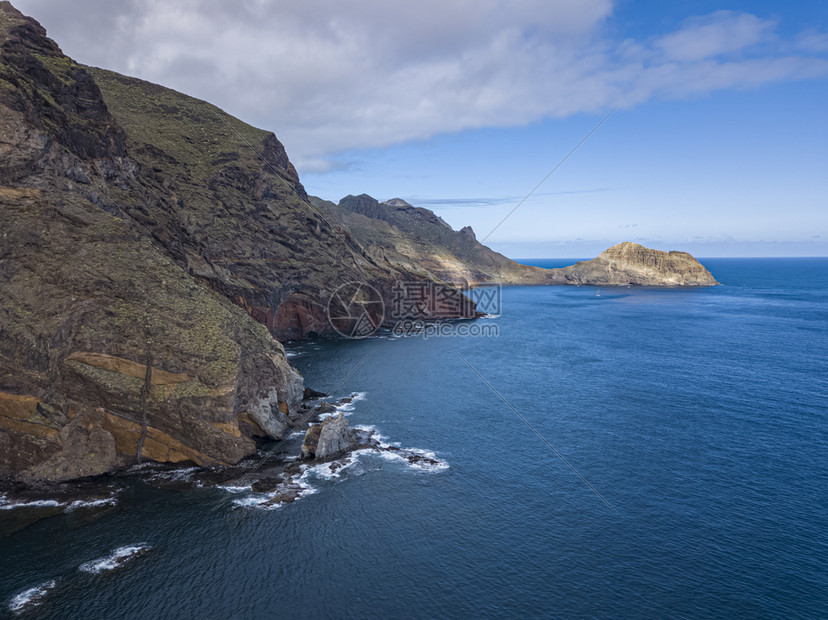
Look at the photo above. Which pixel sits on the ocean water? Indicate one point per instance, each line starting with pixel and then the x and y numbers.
pixel 617 453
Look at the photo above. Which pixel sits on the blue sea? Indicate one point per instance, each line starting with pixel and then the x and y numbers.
pixel 623 453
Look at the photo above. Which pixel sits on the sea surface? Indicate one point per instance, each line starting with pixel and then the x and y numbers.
pixel 624 453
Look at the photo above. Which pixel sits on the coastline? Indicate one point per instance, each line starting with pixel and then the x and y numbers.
pixel 275 475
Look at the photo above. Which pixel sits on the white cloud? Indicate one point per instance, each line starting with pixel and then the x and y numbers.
pixel 328 75
pixel 722 32
pixel 813 41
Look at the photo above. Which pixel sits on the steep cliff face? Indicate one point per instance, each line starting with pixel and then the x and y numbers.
pixel 633 264
pixel 223 200
pixel 109 349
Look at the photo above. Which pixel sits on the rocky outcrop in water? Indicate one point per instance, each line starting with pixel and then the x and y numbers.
pixel 633 264
pixel 332 437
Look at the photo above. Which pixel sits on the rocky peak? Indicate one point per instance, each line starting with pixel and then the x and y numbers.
pixel 397 202
pixel 395 211
pixel 467 230
pixel 275 156
pixel 633 252
pixel 15 25
pixel 364 205
pixel 53 93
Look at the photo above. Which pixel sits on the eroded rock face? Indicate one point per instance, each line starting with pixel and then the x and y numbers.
pixel 416 239
pixel 87 449
pixel 266 413
pixel 633 264
pixel 109 346
pixel 332 437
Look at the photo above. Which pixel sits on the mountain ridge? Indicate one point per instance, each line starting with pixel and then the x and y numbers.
pixel 403 234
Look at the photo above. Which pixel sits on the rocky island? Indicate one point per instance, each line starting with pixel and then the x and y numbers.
pixel 632 264
pixel 154 251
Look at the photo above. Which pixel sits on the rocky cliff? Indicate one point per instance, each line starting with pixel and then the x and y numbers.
pixel 110 349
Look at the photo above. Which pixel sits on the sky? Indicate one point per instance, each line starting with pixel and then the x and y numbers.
pixel 711 136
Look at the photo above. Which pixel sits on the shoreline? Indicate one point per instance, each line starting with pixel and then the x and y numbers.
pixel 275 477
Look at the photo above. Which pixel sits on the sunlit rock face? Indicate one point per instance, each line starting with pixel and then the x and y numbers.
pixel 633 264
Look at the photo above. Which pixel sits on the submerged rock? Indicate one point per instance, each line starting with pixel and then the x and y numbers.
pixel 310 394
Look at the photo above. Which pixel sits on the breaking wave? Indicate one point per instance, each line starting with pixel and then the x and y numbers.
pixel 31 597
pixel 116 559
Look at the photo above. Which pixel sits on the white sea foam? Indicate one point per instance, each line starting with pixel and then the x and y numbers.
pixel 433 464
pixel 143 466
pixel 254 501
pixel 329 471
pixel 348 407
pixel 92 503
pixel 184 475
pixel 30 597
pixel 115 559
pixel 367 428
pixel 266 501
pixel 37 503
pixel 235 488
pixel 345 409
pixel 382 440
pixel 301 483
pixel 6 504
pixel 290 354
pixel 401 454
